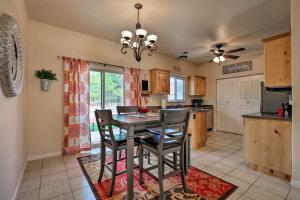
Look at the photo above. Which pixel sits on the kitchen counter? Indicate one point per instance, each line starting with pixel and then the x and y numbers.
pixel 266 116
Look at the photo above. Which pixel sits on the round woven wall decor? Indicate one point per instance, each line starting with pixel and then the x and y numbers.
pixel 11 56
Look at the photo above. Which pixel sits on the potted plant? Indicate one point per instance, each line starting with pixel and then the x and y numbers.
pixel 46 77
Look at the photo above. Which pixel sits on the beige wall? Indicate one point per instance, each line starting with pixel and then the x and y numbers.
pixel 12 148
pixel 295 21
pixel 213 71
pixel 45 109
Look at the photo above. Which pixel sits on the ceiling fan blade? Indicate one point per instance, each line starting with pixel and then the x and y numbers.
pixel 231 56
pixel 210 61
pixel 235 50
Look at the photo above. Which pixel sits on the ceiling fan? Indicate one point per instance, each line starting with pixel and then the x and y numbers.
pixel 220 55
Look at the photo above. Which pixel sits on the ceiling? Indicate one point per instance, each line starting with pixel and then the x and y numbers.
pixel 181 25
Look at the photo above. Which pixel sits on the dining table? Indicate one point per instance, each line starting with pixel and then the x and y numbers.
pixel 133 123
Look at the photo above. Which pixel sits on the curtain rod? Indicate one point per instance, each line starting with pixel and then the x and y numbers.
pixel 92 61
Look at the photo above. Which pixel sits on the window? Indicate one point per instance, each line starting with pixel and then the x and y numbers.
pixel 177 89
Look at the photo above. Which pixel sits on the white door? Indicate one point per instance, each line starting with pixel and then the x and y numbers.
pixel 236 97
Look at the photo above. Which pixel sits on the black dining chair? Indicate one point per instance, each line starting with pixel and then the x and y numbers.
pixel 171 139
pixel 127 109
pixel 113 139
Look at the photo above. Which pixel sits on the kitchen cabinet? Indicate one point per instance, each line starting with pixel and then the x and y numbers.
pixel 268 145
pixel 197 86
pixel 159 81
pixel 198 129
pixel 277 52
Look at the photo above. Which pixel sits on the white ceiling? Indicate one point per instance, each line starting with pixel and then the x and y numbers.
pixel 193 25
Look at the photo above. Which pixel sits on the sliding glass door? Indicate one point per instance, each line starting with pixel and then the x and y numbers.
pixel 106 92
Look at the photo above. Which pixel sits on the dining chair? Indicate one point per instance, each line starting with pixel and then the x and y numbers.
pixel 127 109
pixel 113 139
pixel 171 139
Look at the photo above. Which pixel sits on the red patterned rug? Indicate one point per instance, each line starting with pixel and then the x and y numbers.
pixel 201 185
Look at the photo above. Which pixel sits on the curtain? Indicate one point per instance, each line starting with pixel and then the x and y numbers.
pixel 132 84
pixel 76 106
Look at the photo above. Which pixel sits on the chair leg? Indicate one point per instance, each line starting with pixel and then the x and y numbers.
pixel 148 158
pixel 102 160
pixel 160 177
pixel 182 174
pixel 175 159
pixel 141 164
pixel 120 154
pixel 113 173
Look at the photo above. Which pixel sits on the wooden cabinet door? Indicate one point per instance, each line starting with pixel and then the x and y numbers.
pixel 268 144
pixel 159 81
pixel 278 62
pixel 163 82
pixel 202 89
pixel 198 129
pixel 197 86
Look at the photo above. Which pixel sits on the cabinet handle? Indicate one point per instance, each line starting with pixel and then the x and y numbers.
pixel 275 131
pixel 194 116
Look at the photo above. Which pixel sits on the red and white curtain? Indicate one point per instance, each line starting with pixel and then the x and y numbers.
pixel 132 84
pixel 76 106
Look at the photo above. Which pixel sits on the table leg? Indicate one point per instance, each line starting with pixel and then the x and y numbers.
pixel 130 159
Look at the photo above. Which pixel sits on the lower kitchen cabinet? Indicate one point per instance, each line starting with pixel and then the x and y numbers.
pixel 268 146
pixel 198 129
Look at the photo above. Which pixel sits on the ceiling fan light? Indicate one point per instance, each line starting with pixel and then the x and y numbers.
pixel 126 35
pixel 141 33
pixel 152 38
pixel 216 59
pixel 222 58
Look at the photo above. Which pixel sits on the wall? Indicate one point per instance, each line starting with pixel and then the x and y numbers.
pixel 295 19
pixel 45 109
pixel 12 148
pixel 213 71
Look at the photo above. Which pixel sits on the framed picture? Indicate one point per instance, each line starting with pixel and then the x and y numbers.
pixel 237 67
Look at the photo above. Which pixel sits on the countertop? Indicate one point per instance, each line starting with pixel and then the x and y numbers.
pixel 267 116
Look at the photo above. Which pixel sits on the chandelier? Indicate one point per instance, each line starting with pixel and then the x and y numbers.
pixel 138 42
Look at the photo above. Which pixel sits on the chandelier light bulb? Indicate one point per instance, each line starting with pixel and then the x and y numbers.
pixel 152 38
pixel 141 33
pixel 216 59
pixel 135 45
pixel 127 35
pixel 222 58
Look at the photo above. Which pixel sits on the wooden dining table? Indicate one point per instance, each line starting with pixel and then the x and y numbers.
pixel 137 122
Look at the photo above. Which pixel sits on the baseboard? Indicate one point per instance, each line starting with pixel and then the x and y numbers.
pixel 295 183
pixel 19 182
pixel 41 156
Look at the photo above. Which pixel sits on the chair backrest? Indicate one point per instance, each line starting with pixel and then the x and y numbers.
pixel 127 109
pixel 104 122
pixel 174 123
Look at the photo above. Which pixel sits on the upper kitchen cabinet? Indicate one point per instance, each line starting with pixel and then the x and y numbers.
pixel 278 60
pixel 160 81
pixel 197 86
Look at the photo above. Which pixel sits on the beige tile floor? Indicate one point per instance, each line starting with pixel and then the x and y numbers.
pixel 60 178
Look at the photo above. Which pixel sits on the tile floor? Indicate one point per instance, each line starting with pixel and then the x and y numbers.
pixel 60 178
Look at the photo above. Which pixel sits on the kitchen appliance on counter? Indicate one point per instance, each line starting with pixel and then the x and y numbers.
pixel 197 102
pixel 200 103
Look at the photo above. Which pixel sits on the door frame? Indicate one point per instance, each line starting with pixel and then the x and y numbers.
pixel 216 101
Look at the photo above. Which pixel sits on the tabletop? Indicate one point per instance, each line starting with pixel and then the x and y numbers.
pixel 136 119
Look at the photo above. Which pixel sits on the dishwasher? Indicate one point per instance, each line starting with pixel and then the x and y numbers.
pixel 210 118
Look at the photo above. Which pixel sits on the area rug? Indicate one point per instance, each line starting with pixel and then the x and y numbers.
pixel 201 185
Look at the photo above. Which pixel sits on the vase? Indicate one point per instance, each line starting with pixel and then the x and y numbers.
pixel 45 84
